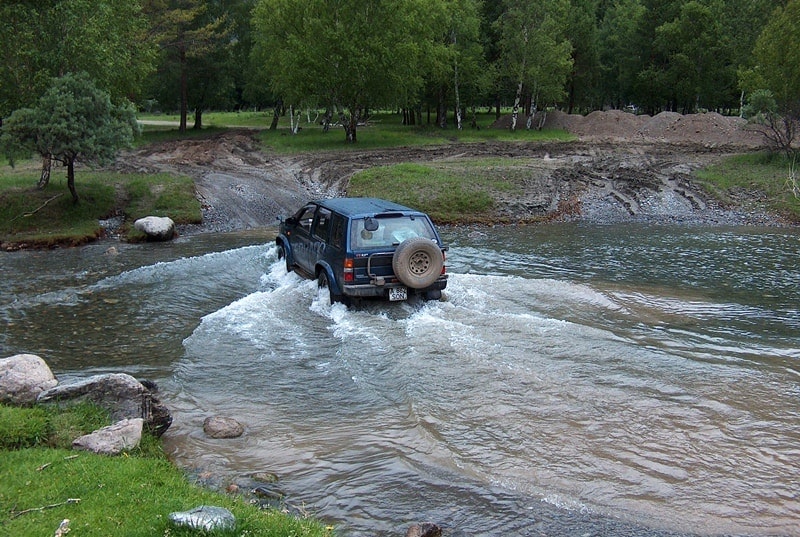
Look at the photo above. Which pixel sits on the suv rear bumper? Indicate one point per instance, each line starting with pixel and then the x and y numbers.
pixel 371 290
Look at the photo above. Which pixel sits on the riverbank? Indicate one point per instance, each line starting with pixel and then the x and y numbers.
pixel 712 174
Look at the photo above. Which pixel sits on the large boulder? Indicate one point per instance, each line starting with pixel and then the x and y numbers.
pixel 122 395
pixel 23 377
pixel 157 228
pixel 112 440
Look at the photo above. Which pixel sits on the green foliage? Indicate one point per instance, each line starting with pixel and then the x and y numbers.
pixel 778 64
pixel 42 40
pixel 72 121
pixel 534 48
pixel 344 55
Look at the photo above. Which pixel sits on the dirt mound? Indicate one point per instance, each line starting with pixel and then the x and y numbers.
pixel 707 129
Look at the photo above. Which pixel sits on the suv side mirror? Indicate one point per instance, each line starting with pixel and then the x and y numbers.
pixel 291 221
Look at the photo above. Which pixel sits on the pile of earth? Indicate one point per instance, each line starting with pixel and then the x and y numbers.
pixel 708 129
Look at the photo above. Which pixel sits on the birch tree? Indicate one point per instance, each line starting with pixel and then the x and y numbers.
pixel 534 50
pixel 344 54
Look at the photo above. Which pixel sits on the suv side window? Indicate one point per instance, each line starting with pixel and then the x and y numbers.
pixel 307 217
pixel 337 231
pixel 322 228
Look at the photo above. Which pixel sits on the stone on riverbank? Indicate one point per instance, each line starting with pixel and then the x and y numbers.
pixel 23 377
pixel 205 517
pixel 122 395
pixel 157 228
pixel 112 440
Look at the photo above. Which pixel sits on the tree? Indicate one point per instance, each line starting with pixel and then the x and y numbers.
pixel 346 55
pixel 777 69
pixel 73 121
pixel 583 34
pixel 535 51
pixel 699 69
pixel 49 38
pixel 619 59
pixel 193 36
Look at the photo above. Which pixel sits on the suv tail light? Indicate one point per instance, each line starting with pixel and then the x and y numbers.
pixel 444 261
pixel 349 274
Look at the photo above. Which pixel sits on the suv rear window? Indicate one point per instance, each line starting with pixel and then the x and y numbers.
pixel 391 231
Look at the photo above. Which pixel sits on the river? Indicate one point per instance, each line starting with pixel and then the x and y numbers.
pixel 575 380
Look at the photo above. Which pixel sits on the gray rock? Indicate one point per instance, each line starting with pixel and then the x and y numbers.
pixel 112 440
pixel 157 228
pixel 122 395
pixel 23 377
pixel 205 517
pixel 222 427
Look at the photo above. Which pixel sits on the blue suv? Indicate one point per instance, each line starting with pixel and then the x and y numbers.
pixel 365 247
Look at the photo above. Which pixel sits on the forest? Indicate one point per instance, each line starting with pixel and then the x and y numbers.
pixel 437 62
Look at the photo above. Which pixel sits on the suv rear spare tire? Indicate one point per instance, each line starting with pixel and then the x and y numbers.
pixel 418 262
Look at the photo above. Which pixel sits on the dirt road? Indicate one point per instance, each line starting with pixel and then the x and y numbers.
pixel 596 179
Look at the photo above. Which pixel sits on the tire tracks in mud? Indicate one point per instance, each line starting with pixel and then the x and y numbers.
pixel 242 187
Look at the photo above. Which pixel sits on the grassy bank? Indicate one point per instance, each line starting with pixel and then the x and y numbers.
pixel 44 482
pixel 762 178
pixel 452 193
pixel 46 217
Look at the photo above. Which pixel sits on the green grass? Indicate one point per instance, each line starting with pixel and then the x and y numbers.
pixel 48 217
pixel 43 483
pixel 459 191
pixel 383 130
pixel 764 174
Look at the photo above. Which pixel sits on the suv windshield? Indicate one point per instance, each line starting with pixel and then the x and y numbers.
pixel 391 231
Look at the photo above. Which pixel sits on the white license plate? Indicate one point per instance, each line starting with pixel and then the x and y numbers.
pixel 398 293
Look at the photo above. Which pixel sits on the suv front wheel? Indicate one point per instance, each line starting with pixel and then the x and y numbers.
pixel 418 262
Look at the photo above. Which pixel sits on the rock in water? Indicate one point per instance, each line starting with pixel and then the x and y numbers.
pixel 205 517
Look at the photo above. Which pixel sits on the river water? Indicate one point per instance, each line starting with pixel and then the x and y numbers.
pixel 575 380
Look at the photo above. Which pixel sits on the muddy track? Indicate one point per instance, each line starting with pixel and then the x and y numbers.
pixel 242 187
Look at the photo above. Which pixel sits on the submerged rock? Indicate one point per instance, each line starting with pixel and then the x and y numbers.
pixel 204 517
pixel 222 427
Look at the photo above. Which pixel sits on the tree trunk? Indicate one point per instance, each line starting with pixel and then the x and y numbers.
pixel 441 109
pixel 71 179
pixel 349 125
pixel 455 84
pixel 515 110
pixel 184 88
pixel 198 119
pixel 44 178
pixel 276 116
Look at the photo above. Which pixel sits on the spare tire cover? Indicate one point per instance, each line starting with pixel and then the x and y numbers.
pixel 418 262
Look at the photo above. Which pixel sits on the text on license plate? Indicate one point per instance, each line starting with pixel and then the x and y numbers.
pixel 398 293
